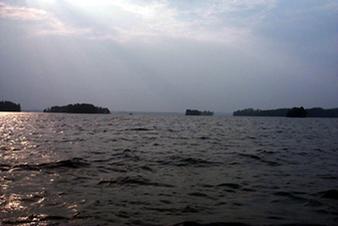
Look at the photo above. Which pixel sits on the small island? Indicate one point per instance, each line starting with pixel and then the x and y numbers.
pixel 78 108
pixel 198 113
pixel 298 112
pixel 9 106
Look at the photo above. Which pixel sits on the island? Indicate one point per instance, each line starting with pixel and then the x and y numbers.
pixel 195 112
pixel 78 108
pixel 299 112
pixel 296 113
pixel 9 106
pixel 280 112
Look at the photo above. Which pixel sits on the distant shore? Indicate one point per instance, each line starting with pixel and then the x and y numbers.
pixel 9 106
pixel 78 108
pixel 195 112
pixel 316 112
pixel 86 108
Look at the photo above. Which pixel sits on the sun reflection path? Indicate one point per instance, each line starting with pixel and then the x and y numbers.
pixel 14 202
pixel 23 190
pixel 20 138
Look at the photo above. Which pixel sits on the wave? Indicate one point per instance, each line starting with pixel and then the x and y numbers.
pixel 135 180
pixel 192 223
pixel 328 177
pixel 179 161
pixel 139 129
pixel 34 219
pixel 260 159
pixel 230 185
pixel 329 194
pixel 4 167
pixel 177 210
pixel 291 195
pixel 198 194
pixel 126 154
pixel 70 163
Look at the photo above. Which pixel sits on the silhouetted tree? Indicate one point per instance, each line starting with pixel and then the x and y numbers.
pixel 296 112
pixel 78 108
pixel 312 112
pixel 320 112
pixel 9 106
pixel 281 112
pixel 197 112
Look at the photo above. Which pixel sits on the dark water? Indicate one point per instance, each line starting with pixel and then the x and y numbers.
pixel 164 170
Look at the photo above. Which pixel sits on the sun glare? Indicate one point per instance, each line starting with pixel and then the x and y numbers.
pixel 102 10
pixel 79 3
pixel 93 3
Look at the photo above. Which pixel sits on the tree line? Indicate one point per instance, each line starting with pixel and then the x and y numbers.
pixel 289 112
pixel 9 106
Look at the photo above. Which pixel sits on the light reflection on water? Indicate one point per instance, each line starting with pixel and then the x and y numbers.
pixel 13 203
pixel 141 170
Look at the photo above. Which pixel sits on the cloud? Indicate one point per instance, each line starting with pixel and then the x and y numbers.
pixel 157 20
pixel 242 5
pixel 22 13
pixel 134 20
pixel 225 21
pixel 47 23
pixel 231 22
pixel 332 6
pixel 236 13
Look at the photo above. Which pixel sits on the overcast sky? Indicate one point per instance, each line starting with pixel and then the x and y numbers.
pixel 169 55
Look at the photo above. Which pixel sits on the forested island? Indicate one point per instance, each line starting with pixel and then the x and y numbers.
pixel 9 106
pixel 78 108
pixel 290 112
pixel 197 112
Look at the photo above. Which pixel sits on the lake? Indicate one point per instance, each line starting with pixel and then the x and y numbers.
pixel 69 169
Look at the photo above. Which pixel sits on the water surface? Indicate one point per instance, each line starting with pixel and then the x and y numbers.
pixel 164 170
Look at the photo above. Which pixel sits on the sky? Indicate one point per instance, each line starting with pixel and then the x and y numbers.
pixel 169 55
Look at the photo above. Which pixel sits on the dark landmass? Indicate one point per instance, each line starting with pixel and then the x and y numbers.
pixel 9 106
pixel 297 113
pixel 197 112
pixel 290 112
pixel 320 112
pixel 78 108
pixel 258 112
